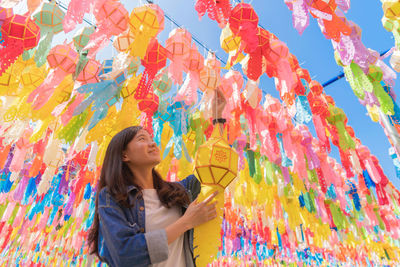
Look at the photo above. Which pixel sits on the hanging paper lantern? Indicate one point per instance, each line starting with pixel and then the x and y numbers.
pixel 216 165
pixel 217 10
pixel 339 120
pixel 90 72
pixel 210 74
pixel 49 19
pixel 155 59
pixel 145 22
pixel 10 80
pixel 243 22
pixel 256 64
pixel 19 33
pixel 148 105
pixel 32 77
pixel 82 37
pixel 252 93
pixel 112 19
pixel 131 85
pixel 124 41
pixel 178 44
pixel 334 26
pixel 106 67
pixel 75 13
pixel 192 65
pixel 62 59
pixel 216 162
pixel 162 82
pixel 231 82
pixel 231 45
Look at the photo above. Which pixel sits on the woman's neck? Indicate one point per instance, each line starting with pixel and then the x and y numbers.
pixel 143 177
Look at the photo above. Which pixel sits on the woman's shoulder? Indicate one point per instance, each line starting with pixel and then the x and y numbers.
pixel 106 199
pixel 192 185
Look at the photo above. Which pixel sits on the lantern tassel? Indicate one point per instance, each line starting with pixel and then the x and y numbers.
pixel 303 110
pixel 9 54
pixel 43 49
pixel 41 95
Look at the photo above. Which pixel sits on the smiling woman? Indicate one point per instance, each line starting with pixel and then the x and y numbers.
pixel 141 219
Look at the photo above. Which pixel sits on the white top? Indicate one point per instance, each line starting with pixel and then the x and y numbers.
pixel 159 217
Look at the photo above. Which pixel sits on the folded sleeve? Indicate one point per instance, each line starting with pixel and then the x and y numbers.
pixel 126 243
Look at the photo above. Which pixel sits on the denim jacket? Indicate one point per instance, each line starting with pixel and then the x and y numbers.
pixel 123 240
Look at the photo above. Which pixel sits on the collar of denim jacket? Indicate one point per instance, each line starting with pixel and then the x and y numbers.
pixel 129 188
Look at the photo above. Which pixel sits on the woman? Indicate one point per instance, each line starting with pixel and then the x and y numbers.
pixel 140 219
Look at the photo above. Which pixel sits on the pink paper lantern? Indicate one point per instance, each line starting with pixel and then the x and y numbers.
pixel 90 72
pixel 112 19
pixel 178 44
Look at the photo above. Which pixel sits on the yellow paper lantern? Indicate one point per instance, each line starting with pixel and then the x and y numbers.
pixel 216 165
pixel 230 43
pixel 130 87
pixel 216 162
pixel 33 76
pixel 145 22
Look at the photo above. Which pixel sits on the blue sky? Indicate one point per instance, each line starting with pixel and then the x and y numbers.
pixel 312 49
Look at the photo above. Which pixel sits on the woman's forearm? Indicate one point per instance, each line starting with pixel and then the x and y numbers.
pixel 176 229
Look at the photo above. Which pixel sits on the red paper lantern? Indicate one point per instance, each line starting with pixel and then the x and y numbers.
pixel 243 22
pixel 154 60
pixel 19 33
pixel 256 64
pixel 217 10
pixel 148 105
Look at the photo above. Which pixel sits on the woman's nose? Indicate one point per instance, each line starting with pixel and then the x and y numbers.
pixel 153 143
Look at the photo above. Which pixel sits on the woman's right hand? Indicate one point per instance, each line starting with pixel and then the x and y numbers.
pixel 199 213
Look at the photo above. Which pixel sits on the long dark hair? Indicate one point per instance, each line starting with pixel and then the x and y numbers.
pixel 116 176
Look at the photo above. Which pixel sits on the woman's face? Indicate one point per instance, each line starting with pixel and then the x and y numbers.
pixel 142 151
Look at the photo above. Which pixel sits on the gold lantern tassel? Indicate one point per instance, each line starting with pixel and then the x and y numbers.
pixel 207 236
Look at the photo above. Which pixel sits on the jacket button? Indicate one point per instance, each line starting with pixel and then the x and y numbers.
pixel 142 230
pixel 141 208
